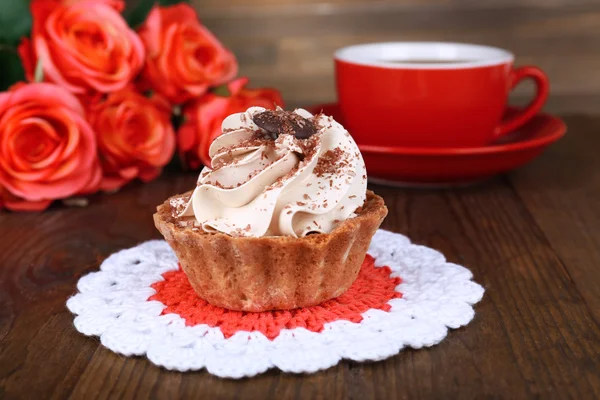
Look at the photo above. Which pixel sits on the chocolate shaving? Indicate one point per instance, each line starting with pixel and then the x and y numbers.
pixel 331 162
pixel 309 151
pixel 178 204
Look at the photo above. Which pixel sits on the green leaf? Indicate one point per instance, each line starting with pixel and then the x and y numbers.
pixel 136 14
pixel 15 21
pixel 10 65
pixel 222 91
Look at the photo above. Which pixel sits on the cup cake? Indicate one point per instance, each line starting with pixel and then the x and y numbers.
pixel 281 219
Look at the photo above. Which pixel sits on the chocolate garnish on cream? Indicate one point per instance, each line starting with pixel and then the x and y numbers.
pixel 278 173
pixel 279 122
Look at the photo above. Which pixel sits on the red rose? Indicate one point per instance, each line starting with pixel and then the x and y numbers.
pixel 203 118
pixel 183 59
pixel 135 137
pixel 83 46
pixel 47 149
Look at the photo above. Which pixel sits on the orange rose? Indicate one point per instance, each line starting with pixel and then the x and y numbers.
pixel 47 149
pixel 135 137
pixel 83 46
pixel 203 118
pixel 183 59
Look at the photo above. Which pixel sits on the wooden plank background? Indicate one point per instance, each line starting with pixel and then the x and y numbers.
pixel 288 44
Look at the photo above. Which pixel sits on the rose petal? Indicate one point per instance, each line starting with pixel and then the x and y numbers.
pixel 16 204
pixel 33 116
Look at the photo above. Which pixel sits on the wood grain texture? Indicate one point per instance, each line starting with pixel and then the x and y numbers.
pixel 566 203
pixel 530 238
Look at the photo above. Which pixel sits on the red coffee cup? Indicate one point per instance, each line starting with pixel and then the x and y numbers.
pixel 431 94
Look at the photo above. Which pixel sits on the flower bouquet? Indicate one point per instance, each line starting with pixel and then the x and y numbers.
pixel 96 97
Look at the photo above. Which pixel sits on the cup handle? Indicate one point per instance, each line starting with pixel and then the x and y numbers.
pixel 542 91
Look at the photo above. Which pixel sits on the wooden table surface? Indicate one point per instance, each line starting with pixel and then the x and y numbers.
pixel 532 238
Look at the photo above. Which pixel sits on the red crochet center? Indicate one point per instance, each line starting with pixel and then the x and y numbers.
pixel 372 290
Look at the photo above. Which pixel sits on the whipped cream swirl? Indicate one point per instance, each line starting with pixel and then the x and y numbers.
pixel 286 186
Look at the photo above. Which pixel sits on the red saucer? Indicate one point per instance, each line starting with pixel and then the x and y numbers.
pixel 415 166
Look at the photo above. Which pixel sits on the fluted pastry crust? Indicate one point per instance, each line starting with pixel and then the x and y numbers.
pixel 273 272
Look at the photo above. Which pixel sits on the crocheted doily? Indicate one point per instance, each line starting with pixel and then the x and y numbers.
pixel 141 303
